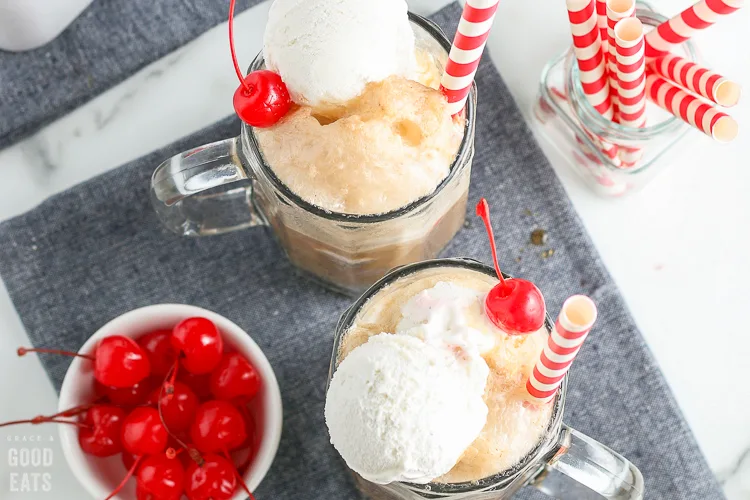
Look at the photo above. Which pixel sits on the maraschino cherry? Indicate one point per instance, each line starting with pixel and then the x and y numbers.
pixel 160 478
pixel 213 480
pixel 178 408
pixel 200 344
pixel 100 435
pixel 158 348
pixel 218 426
pixel 262 98
pixel 118 361
pixel 234 379
pixel 514 305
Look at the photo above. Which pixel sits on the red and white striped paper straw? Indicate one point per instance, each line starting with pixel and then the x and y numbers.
pixel 631 79
pixel 697 79
pixel 576 318
pixel 631 72
pixel 601 21
pixel 685 24
pixel 587 46
pixel 616 10
pixel 691 109
pixel 466 51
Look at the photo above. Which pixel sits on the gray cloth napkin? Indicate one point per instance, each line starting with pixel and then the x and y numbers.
pixel 97 251
pixel 110 41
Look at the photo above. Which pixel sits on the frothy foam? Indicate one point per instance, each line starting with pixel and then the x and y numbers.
pixel 390 146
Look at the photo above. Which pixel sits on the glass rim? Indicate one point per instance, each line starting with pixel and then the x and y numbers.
pixel 464 149
pixel 504 477
pixel 650 18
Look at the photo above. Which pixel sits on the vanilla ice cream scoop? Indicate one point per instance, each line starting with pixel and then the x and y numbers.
pixel 400 409
pixel 326 51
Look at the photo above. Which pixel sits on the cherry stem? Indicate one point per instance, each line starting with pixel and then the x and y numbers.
pixel 237 474
pixel 237 69
pixel 23 351
pixel 168 387
pixel 483 211
pixel 126 478
pixel 41 419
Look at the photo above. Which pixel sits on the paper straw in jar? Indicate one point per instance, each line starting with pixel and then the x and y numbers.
pixel 587 46
pixel 601 21
pixel 691 109
pixel 573 325
pixel 616 10
pixel 631 79
pixel 697 79
pixel 466 51
pixel 680 28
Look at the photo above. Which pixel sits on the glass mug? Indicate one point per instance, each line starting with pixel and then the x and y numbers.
pixel 564 117
pixel 228 185
pixel 565 464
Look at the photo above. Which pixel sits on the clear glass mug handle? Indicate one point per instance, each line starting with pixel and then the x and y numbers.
pixel 205 191
pixel 584 469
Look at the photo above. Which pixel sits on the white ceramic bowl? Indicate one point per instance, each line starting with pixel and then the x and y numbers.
pixel 101 475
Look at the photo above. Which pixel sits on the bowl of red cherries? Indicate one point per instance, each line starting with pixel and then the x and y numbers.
pixel 169 402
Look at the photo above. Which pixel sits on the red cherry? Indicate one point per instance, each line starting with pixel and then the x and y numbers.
pixel 218 426
pixel 177 409
pixel 513 305
pixel 517 307
pixel 234 378
pixel 200 384
pixel 129 396
pixel 159 350
pixel 262 99
pixel 160 478
pixel 100 434
pixel 200 342
pixel 143 432
pixel 118 361
pixel 213 480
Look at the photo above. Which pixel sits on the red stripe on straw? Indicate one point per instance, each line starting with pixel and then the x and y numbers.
pixel 692 19
pixel 584 41
pixel 632 101
pixel 629 51
pixel 683 72
pixel 464 42
pixel 583 15
pixel 670 35
pixel 711 83
pixel 697 77
pixel 457 69
pixel 545 379
pixel 631 117
pixel 591 63
pixel 720 7
pixel 455 95
pixel 699 114
pixel 475 15
pixel 594 87
pixel 631 68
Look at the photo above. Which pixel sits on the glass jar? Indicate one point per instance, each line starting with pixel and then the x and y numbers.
pixel 567 121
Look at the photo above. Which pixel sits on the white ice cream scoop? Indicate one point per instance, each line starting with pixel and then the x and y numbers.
pixel 326 51
pixel 400 409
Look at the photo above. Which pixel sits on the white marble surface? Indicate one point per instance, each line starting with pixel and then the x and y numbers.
pixel 677 250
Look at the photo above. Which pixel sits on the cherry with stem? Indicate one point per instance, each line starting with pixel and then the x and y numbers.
pixel 262 98
pixel 514 305
pixel 118 361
